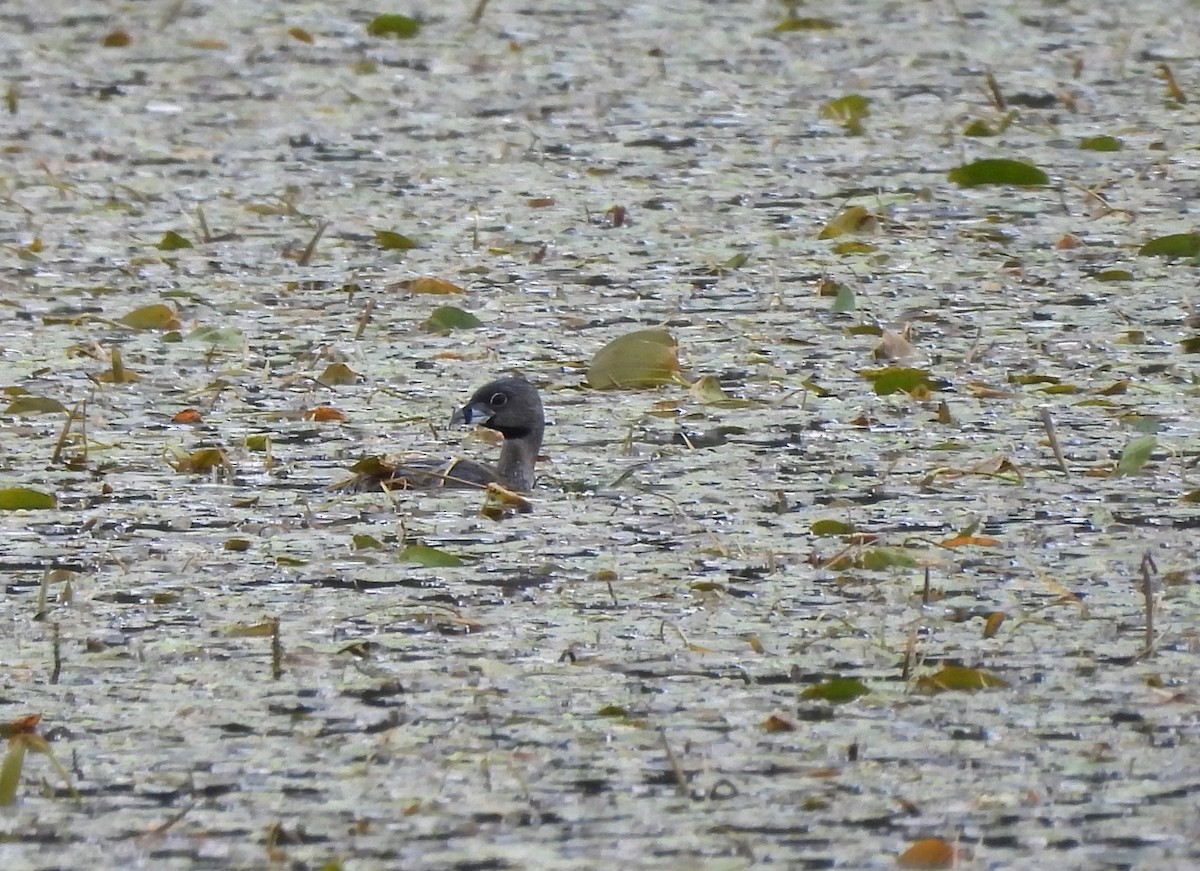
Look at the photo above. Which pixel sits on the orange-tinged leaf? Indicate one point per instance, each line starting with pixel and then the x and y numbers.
pixel 430 285
pixel 20 726
pixel 324 413
pixel 992 626
pixel 929 853
pixel 964 540
pixel 778 723
pixel 188 415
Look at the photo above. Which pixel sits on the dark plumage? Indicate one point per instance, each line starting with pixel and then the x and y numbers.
pixel 512 407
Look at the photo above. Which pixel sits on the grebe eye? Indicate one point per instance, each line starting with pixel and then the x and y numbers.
pixel 498 399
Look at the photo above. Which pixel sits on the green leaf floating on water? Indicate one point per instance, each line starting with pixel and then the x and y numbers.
pixel 446 318
pixel 25 499
pixel 172 241
pixel 395 25
pixel 643 358
pixel 849 111
pixel 218 337
pixel 31 405
pixel 1136 454
pixel 831 527
pixel 878 559
pixel 1101 143
pixel 836 690
pixel 998 170
pixel 429 557
pixel 959 678
pixel 1175 245
pixel 896 379
pixel 390 240
pixel 844 301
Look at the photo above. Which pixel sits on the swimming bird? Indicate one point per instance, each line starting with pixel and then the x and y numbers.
pixel 512 407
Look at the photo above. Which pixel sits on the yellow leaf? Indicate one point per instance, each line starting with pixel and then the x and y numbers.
pixel 959 678
pixel 152 317
pixel 25 499
pixel 855 219
pixel 643 358
pixel 338 373
pixel 265 629
pixel 431 285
